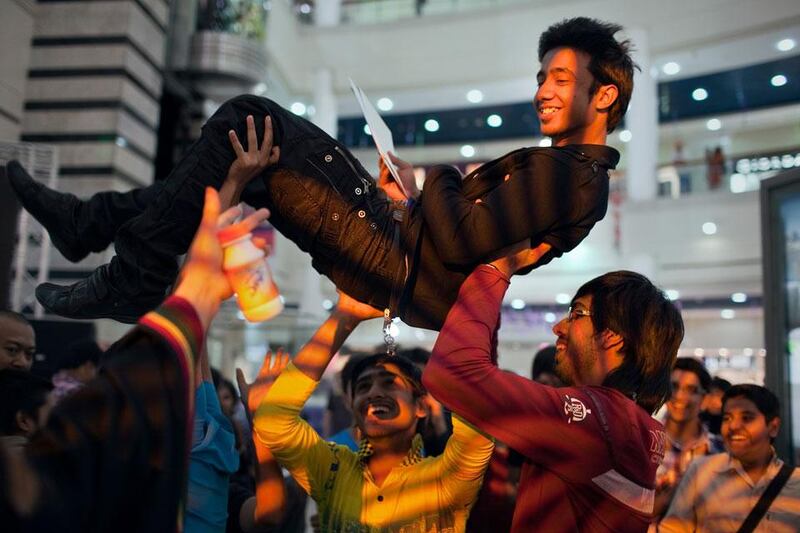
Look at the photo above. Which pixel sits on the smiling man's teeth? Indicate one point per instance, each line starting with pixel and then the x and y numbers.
pixel 548 110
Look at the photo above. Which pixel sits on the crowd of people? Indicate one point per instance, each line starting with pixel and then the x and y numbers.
pixel 145 437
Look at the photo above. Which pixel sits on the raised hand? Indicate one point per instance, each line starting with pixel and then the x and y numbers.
pixel 249 164
pixel 387 182
pixel 518 256
pixel 354 309
pixel 254 393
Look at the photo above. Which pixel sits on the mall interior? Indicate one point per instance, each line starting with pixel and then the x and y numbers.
pixel 98 95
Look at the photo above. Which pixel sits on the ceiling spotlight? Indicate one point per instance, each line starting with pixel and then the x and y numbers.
pixel 475 96
pixel 563 298
pixel 431 125
pixel 517 304
pixel 671 68
pixel 367 130
pixel 385 104
pixel 724 352
pixel 467 150
pixel 727 314
pixel 625 136
pixel 698 352
pixel 547 141
pixel 494 121
pixel 778 80
pixel 738 297
pixel 709 228
pixel 327 304
pixel 748 352
pixel 699 94
pixel 672 294
pixel 298 108
pixel 784 45
pixel 714 124
pixel 549 317
pixel 260 88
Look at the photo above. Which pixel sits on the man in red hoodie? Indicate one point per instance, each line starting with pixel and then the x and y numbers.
pixel 591 447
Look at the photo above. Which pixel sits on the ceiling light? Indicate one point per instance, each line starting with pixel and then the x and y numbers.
pixel 738 297
pixel 699 94
pixel 714 124
pixel 672 294
pixel 784 45
pixel 549 317
pixel 305 9
pixel 431 125
pixel 698 352
pixel 724 352
pixel 367 130
pixel 385 104
pixel 563 298
pixel 475 96
pixel 298 108
pixel 260 88
pixel 327 304
pixel 778 80
pixel 547 141
pixel 518 304
pixel 727 314
pixel 467 150
pixel 671 68
pixel 494 121
pixel 748 352
pixel 709 228
pixel 625 136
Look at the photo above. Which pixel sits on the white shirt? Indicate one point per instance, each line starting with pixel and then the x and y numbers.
pixel 716 495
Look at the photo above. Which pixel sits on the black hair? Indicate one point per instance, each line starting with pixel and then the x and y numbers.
pixel 610 60
pixel 347 369
pixel 410 371
pixel 720 384
pixel 651 327
pixel 763 398
pixel 20 391
pixel 690 364
pixel 80 352
pixel 544 361
pixel 13 315
pixel 419 356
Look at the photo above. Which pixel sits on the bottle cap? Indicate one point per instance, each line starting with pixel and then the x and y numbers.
pixel 232 233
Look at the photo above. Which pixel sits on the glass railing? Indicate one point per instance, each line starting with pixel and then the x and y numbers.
pixel 381 11
pixel 733 174
pixel 245 18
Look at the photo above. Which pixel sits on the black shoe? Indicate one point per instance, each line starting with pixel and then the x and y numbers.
pixel 54 210
pixel 93 297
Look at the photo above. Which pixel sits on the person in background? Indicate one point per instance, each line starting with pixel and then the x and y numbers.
pixel 711 409
pixel 25 404
pixel 687 437
pixel 748 488
pixel 77 367
pixel 17 341
pixel 543 367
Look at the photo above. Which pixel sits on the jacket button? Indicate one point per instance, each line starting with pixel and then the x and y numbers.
pixel 328 158
pixel 594 166
pixel 380 498
pixel 361 213
pixel 373 226
pixel 335 216
pixel 358 190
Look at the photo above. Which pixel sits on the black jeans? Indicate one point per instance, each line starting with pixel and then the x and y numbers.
pixel 319 195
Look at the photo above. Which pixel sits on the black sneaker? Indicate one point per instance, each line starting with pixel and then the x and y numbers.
pixel 54 210
pixel 93 297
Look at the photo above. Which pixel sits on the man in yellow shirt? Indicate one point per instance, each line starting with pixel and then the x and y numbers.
pixel 387 485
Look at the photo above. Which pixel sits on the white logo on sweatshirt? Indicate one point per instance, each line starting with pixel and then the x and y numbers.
pixel 575 409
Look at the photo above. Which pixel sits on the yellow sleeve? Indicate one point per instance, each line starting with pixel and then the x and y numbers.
pixel 464 462
pixel 293 442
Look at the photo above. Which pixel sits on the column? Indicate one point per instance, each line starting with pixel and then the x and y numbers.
pixel 325 115
pixel 642 121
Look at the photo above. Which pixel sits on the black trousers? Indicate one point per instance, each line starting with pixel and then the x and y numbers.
pixel 319 195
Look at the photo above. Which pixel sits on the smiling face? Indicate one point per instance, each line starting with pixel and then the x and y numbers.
pixel 384 403
pixel 576 347
pixel 567 112
pixel 687 396
pixel 746 432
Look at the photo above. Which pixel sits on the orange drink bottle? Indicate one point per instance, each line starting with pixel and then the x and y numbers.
pixel 247 270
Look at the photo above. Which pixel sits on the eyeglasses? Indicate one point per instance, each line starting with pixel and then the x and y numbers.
pixel 575 313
